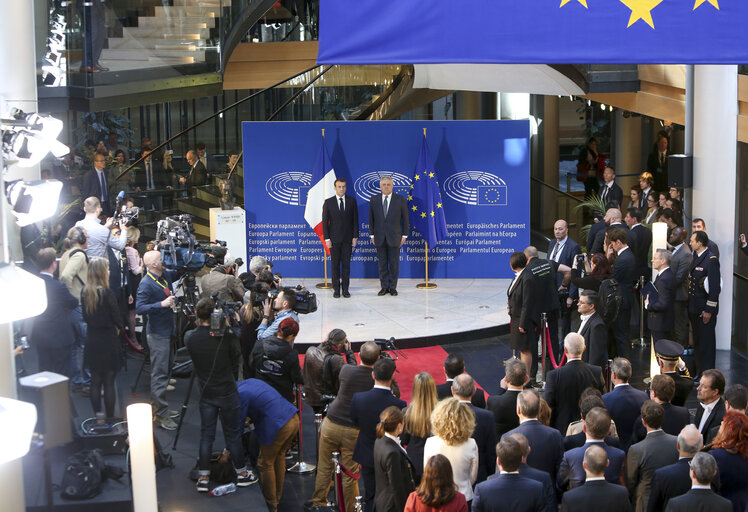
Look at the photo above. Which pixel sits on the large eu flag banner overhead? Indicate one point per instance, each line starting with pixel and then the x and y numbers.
pixel 425 206
pixel 533 32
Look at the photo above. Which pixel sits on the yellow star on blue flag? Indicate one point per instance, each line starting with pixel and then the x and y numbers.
pixel 426 197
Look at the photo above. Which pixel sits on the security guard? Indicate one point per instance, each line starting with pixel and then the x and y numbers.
pixel 704 285
pixel 669 359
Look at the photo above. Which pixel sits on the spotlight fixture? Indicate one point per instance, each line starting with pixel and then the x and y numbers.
pixel 32 201
pixel 27 138
pixel 17 422
pixel 29 297
pixel 52 76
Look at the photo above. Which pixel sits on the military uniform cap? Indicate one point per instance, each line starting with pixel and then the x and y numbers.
pixel 668 349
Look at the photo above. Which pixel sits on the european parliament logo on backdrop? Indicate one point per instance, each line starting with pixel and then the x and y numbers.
pixel 289 187
pixel 367 184
pixel 476 188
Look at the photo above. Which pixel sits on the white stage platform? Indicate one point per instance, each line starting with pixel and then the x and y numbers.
pixel 456 305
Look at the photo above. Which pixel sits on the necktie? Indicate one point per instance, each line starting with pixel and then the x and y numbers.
pixel 342 207
pixel 386 205
pixel 605 194
pixel 150 175
pixel 102 182
pixel 555 251
pixel 662 159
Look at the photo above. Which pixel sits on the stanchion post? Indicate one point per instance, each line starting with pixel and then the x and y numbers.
pixel 318 430
pixel 359 504
pixel 426 285
pixel 325 285
pixel 544 346
pixel 339 498
pixel 301 467
pixel 641 341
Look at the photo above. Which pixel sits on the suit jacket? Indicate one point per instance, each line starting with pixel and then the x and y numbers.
pixel 91 186
pixel 661 312
pixel 546 443
pixel 594 230
pixel 659 171
pixel 683 388
pixel 576 440
pixel 680 264
pixel 388 231
pixel 340 227
pixel 624 405
pixel 714 419
pixel 672 423
pixel 641 249
pixel 594 495
pixel 568 251
pixel 624 271
pixel 699 500
pixel 614 195
pixel 485 437
pixel 365 409
pixel 445 391
pixel 595 334
pixel 393 474
pixel 655 451
pixel 521 305
pixel 504 409
pixel 197 175
pixel 598 244
pixel 571 473
pixel 160 178
pixel 54 327
pixel 510 493
pixel 563 388
pixel 671 481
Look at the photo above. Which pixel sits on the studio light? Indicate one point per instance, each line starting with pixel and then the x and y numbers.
pixel 29 297
pixel 32 201
pixel 52 76
pixel 17 421
pixel 27 138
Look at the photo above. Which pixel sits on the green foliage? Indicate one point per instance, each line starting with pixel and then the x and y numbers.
pixel 96 126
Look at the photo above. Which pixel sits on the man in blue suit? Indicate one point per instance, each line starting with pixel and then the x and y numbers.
pixel 365 409
pixel 597 492
pixel 484 433
pixel 624 401
pixel 546 443
pixel 661 309
pixel 510 491
pixel 388 228
pixel 624 271
pixel 673 480
pixel 52 333
pixel 563 250
pixel 571 473
pixel 549 493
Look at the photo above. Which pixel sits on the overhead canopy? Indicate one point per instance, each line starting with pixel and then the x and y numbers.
pixel 533 32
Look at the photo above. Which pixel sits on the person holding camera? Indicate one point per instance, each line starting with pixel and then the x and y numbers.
pixel 214 358
pixel 284 304
pixel 223 280
pixel 275 361
pixel 100 236
pixel 322 365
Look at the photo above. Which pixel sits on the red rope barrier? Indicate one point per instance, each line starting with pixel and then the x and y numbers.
pixel 547 333
pixel 355 476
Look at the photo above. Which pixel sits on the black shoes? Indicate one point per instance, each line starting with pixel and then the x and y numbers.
pixel 393 292
pixel 383 291
pixel 336 295
pixel 346 294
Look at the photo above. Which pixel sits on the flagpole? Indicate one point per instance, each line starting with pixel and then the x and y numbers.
pixel 325 285
pixel 426 285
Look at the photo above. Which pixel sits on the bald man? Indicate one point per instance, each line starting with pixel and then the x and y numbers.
pixel 612 217
pixel 563 250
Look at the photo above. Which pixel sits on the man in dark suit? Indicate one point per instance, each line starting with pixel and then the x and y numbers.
pixel 454 365
pixel 549 492
pixel 197 174
pixel 365 409
pixel 52 333
pixel 546 443
pixel 571 473
pixel 523 323
pixel 704 286
pixel 388 228
pixel 563 250
pixel 662 390
pixel 340 229
pixel 510 491
pixel 623 401
pixel 674 480
pixel 152 177
pixel 596 491
pixel 642 237
pixel 504 405
pixel 590 399
pixel 668 355
pixel 660 309
pixel 657 162
pixel 610 193
pixel 736 400
pixel 613 217
pixel 656 450
pixel 680 264
pixel 544 296
pixel 564 385
pixel 484 433
pixel 595 228
pixel 624 271
pixel 711 408
pixel 95 184
pixel 593 330
pixel 700 497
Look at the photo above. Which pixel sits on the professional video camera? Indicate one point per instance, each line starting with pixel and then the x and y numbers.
pixel 179 248
pixel 306 301
pixel 129 216
pixel 223 315
pixel 387 346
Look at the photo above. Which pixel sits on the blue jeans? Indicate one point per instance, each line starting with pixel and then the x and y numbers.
pixel 81 375
pixel 228 408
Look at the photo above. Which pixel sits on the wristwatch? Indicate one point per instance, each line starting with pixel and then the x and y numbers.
pixel 266 317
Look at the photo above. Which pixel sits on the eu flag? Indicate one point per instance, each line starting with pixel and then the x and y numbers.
pixel 425 205
pixel 493 195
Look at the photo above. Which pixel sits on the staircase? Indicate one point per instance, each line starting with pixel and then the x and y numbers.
pixel 174 35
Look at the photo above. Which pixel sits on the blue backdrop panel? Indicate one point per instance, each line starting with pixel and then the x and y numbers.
pixel 483 169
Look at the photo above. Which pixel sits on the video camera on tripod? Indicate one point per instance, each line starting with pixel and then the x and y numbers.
pixel 306 301
pixel 223 315
pixel 129 216
pixel 179 248
pixel 387 346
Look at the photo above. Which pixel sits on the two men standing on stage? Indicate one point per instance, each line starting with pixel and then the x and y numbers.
pixel 340 229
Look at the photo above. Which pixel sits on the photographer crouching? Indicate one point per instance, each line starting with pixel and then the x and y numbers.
pixel 322 365
pixel 214 357
pixel 275 311
pixel 223 280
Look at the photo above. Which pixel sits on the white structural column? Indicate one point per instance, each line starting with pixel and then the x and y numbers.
pixel 627 152
pixel 714 174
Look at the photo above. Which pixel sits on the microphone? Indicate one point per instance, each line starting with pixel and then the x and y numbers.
pixel 118 202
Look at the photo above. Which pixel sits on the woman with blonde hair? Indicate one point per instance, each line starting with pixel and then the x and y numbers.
pixel 453 423
pixel 418 419
pixel 393 470
pixel 102 355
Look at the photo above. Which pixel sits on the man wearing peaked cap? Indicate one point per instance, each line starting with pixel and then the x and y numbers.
pixel 668 356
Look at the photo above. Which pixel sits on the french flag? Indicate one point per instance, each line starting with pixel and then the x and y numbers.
pixel 323 187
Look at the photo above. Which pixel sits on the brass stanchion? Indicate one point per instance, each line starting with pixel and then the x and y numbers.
pixel 426 284
pixel 325 285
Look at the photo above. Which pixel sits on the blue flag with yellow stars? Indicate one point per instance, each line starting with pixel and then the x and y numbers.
pixel 533 32
pixel 425 200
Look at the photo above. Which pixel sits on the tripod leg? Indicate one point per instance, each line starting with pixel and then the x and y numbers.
pixel 183 411
pixel 146 358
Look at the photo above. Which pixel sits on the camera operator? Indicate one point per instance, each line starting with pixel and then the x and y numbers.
pixel 214 358
pixel 322 365
pixel 283 304
pixel 256 265
pixel 250 316
pixel 275 361
pixel 99 236
pixel 223 281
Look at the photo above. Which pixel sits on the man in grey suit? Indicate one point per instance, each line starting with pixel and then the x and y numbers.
pixel 388 229
pixel 680 264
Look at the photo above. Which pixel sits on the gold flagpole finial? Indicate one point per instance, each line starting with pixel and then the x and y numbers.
pixel 424 132
pixel 323 132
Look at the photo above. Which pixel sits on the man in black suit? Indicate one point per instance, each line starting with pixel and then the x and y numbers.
pixel 549 492
pixel 564 385
pixel 736 400
pixel 388 228
pixel 661 309
pixel 521 308
pixel 642 240
pixel 680 265
pixel 510 491
pixel 546 443
pixel 593 330
pixel 152 177
pixel 613 217
pixel 52 332
pixel 624 271
pixel 700 497
pixel 95 184
pixel 674 480
pixel 624 401
pixel 544 297
pixel 611 194
pixel 596 491
pixel 484 433
pixel 657 162
pixel 197 174
pixel 340 229
pixel 711 408
pixel 504 405
pixel 668 355
pixel 661 390
pixel 365 409
pixel 595 228
pixel 563 250
pixel 454 365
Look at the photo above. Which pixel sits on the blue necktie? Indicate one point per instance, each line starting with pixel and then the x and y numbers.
pixel 102 182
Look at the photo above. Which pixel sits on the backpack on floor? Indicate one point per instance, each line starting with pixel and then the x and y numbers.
pixel 83 474
pixel 610 300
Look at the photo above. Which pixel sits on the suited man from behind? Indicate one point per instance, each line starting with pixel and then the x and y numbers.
pixel 700 498
pixel 546 443
pixel 662 390
pixel 736 400
pixel 668 355
pixel 520 306
pixel 484 433
pixel 593 330
pixel 563 250
pixel 549 492
pixel 642 240
pixel 365 409
pixel 711 408
pixel 612 218
pixel 388 228
pixel 624 271
pixel 510 491
pixel 197 174
pixel 504 406
pixel 340 230
pixel 95 184
pixel 454 365
pixel 674 480
pixel 544 295
pixel 611 194
pixel 660 309
pixel 589 400
pixel 623 401
pixel 596 491
pixel 680 265
pixel 564 385
pixel 52 333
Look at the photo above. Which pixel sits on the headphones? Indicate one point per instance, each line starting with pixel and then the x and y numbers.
pixel 80 238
